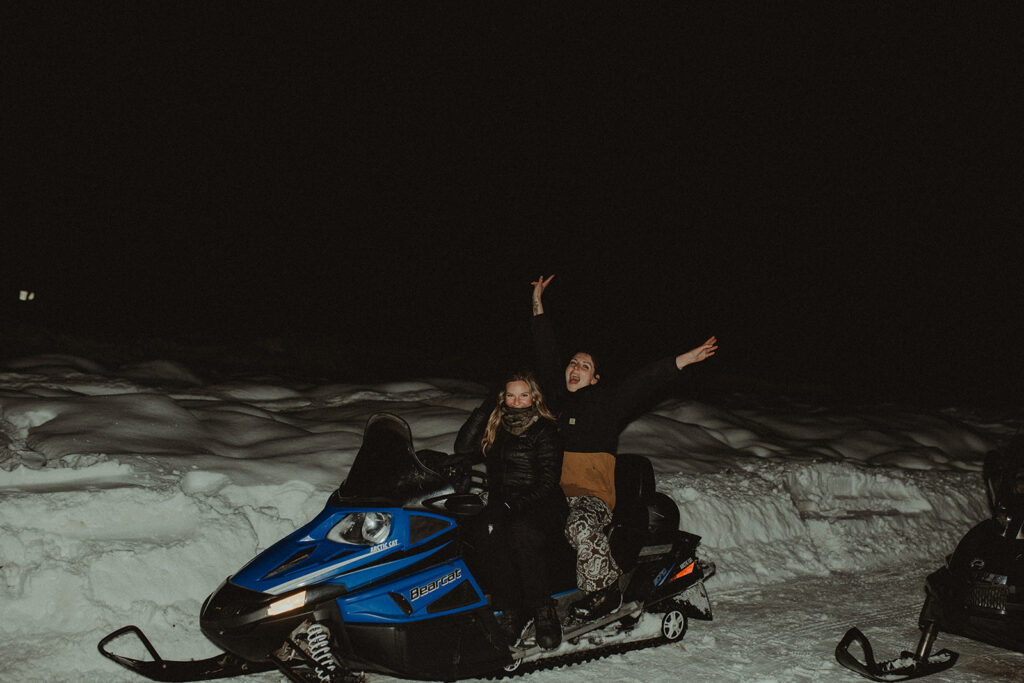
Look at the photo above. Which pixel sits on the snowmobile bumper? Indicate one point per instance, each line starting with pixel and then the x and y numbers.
pixel 242 621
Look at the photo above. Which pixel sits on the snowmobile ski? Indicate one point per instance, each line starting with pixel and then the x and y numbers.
pixel 903 668
pixel 224 665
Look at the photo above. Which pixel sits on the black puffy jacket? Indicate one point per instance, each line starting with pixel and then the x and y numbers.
pixel 523 471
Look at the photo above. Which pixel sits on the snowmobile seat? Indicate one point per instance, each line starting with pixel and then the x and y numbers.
pixel 634 492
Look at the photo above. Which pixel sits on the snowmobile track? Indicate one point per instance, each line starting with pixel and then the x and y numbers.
pixel 581 657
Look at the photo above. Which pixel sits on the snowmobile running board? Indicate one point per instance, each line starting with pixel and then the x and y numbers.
pixel 573 630
pixel 223 665
pixel 531 649
pixel 908 665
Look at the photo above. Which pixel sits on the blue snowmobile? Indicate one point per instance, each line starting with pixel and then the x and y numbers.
pixel 385 580
pixel 978 594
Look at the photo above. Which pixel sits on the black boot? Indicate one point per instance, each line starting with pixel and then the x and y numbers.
pixel 512 622
pixel 599 603
pixel 548 628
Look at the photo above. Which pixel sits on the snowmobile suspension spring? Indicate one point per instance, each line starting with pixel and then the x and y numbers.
pixel 319 639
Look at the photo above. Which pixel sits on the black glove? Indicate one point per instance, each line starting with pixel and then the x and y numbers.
pixel 495 513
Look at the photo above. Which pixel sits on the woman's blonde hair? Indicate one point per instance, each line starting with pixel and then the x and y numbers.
pixel 494 421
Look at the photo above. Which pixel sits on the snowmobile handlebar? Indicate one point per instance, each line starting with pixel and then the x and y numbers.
pixel 457 504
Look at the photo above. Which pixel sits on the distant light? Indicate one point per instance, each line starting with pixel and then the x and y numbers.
pixel 25 295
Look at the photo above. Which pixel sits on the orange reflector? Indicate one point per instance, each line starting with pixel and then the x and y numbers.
pixel 688 569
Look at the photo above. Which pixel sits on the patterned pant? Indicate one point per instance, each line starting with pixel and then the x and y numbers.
pixel 595 568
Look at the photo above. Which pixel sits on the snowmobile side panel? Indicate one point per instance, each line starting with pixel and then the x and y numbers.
pixel 438 590
pixel 460 645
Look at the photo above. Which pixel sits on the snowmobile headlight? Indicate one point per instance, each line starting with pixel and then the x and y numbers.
pixel 362 528
pixel 1002 518
pixel 293 601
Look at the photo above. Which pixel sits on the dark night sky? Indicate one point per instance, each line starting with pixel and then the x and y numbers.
pixel 831 188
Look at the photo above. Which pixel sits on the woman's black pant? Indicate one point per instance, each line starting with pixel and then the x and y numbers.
pixel 515 554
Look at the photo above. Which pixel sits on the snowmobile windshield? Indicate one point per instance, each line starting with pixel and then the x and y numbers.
pixel 387 471
pixel 1004 477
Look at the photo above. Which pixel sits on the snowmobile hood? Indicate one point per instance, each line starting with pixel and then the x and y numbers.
pixel 319 553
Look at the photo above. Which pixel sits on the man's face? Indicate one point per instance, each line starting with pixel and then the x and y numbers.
pixel 580 373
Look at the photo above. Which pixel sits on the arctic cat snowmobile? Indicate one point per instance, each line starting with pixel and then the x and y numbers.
pixel 978 594
pixel 384 580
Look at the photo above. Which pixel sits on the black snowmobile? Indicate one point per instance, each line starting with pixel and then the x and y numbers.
pixel 384 580
pixel 978 594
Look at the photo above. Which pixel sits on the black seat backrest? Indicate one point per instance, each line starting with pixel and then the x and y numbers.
pixel 634 488
pixel 634 479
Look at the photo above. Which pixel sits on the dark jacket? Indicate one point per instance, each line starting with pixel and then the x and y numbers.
pixel 591 418
pixel 522 471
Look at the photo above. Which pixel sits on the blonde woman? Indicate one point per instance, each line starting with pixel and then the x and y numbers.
pixel 517 437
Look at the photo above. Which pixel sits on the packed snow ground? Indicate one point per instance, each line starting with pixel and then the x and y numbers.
pixel 128 495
